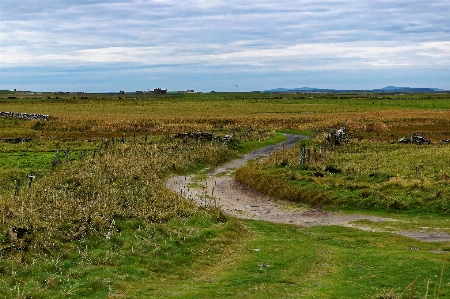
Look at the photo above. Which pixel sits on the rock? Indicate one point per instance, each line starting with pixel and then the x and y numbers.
pixel 338 137
pixel 25 116
pixel 416 138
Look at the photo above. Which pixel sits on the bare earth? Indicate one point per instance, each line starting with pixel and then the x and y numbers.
pixel 221 190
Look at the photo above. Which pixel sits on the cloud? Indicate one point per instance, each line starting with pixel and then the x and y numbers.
pixel 347 55
pixel 260 35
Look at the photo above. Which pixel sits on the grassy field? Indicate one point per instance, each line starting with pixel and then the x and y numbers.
pixel 98 222
pixel 382 116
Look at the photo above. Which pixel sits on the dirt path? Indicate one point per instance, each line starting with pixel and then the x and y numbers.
pixel 220 189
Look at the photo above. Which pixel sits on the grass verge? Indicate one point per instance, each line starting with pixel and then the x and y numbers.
pixel 362 175
pixel 322 262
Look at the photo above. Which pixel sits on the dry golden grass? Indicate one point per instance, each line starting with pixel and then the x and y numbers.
pixel 122 181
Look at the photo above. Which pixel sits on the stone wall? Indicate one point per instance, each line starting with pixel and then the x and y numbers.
pixel 26 116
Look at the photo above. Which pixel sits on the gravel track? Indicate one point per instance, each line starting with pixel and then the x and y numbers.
pixel 221 190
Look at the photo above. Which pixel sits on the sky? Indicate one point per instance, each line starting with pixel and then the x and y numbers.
pixel 223 45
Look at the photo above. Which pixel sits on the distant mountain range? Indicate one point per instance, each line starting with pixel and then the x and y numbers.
pixel 387 89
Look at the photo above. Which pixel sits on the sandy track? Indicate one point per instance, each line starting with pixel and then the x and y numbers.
pixel 221 190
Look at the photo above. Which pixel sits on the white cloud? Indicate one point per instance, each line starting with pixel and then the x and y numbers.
pixel 283 35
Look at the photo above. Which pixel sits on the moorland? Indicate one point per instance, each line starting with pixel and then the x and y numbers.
pixel 85 211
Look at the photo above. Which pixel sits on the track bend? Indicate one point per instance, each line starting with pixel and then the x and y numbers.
pixel 221 190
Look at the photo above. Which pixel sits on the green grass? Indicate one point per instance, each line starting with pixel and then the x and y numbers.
pixel 298 132
pixel 288 262
pixel 364 174
pixel 223 104
pixel 19 160
pixel 248 146
pixel 136 250
pixel 199 257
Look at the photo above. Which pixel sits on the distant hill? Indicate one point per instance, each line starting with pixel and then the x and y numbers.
pixel 389 89
pixel 406 89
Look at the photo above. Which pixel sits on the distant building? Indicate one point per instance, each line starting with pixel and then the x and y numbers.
pixel 159 91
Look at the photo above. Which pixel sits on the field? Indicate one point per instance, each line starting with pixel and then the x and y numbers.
pixel 85 211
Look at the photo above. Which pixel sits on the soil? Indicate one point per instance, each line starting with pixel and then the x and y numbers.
pixel 221 190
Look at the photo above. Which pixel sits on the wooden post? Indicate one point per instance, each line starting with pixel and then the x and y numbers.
pixel 16 193
pixel 332 139
pixel 57 160
pixel 31 177
pixel 67 151
pixel 302 154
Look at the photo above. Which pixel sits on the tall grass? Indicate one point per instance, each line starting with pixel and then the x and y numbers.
pixel 359 175
pixel 86 197
pixel 382 116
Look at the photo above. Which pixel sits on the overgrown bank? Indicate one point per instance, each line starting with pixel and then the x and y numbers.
pixel 367 175
pixel 108 209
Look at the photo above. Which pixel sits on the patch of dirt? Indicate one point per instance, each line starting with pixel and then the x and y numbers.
pixel 221 190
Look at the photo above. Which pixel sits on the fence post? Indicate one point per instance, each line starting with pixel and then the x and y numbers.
pixel 57 160
pixel 331 139
pixel 302 154
pixel 67 151
pixel 16 193
pixel 31 176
